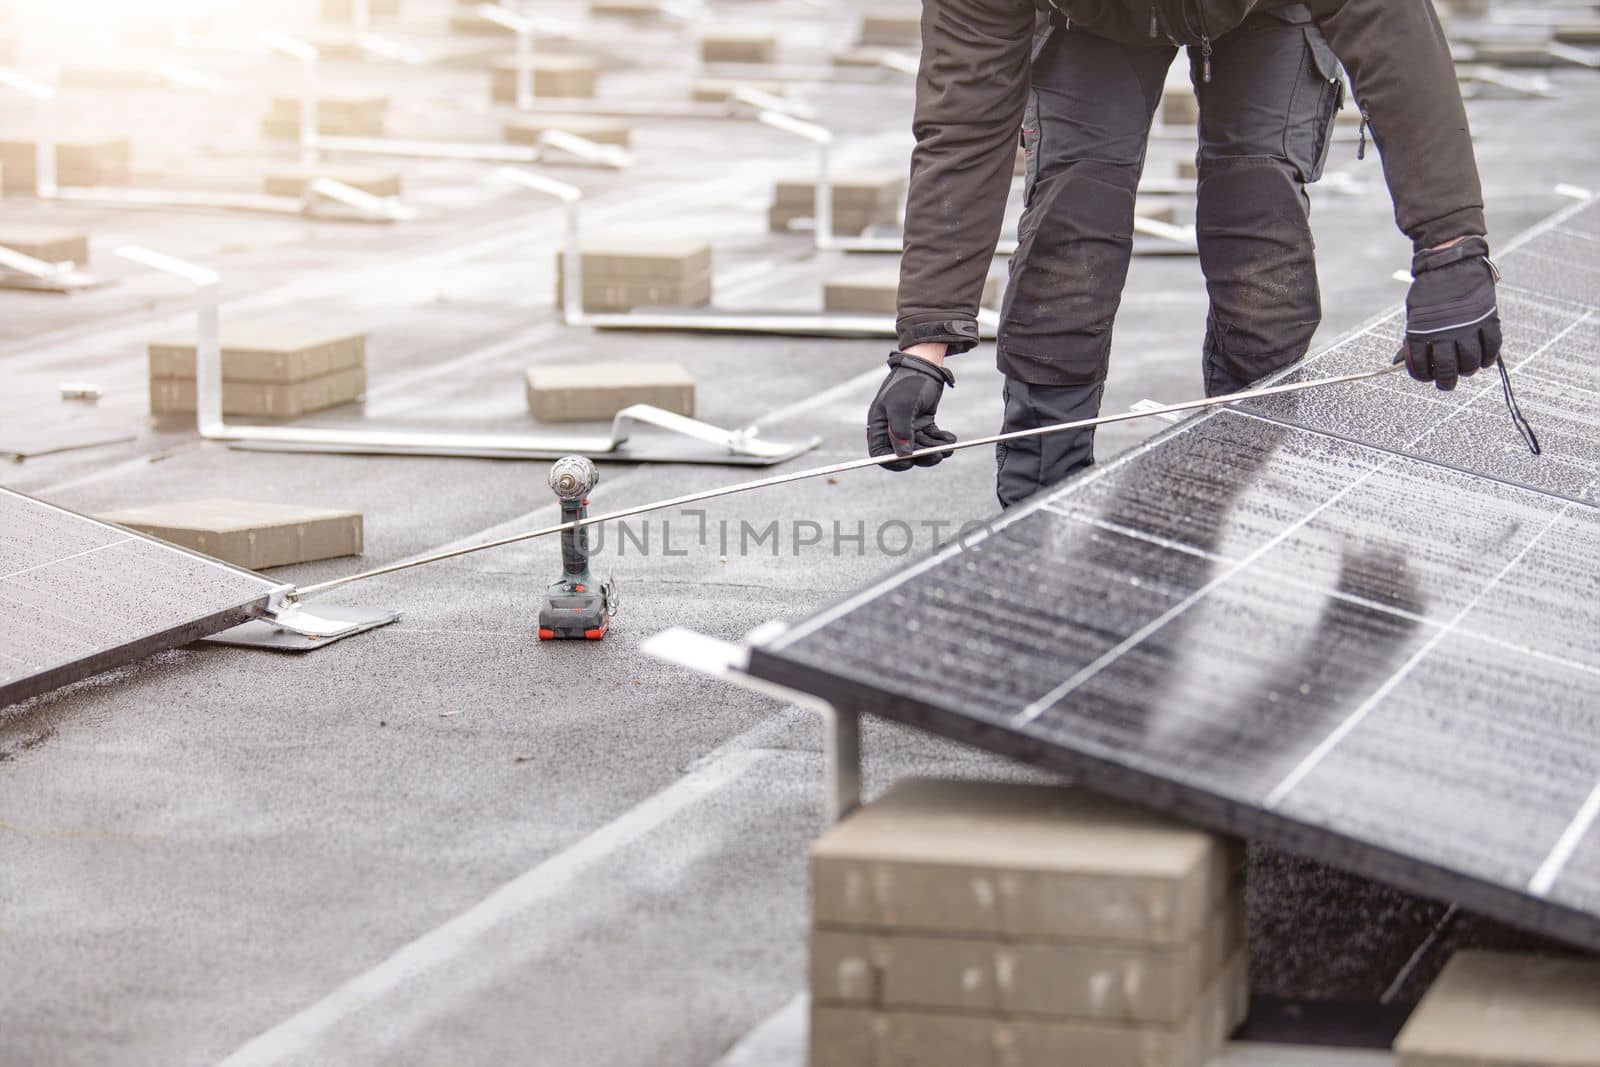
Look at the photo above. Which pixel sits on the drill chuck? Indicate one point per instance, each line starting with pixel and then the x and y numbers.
pixel 572 477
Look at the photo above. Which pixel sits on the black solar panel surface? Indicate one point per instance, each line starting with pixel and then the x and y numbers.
pixel 1362 626
pixel 79 596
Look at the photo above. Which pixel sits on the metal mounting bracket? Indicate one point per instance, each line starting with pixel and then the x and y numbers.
pixel 727 662
pixel 19 271
pixel 284 625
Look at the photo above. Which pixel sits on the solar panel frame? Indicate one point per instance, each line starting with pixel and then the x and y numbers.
pixel 1553 889
pixel 79 596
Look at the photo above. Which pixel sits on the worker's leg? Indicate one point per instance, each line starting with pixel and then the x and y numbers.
pixel 1266 119
pixel 1087 124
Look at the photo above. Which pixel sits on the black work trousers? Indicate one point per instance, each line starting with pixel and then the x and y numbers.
pixel 1266 120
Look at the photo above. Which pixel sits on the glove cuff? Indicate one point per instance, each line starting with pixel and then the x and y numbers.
pixel 958 335
pixel 922 366
pixel 1434 258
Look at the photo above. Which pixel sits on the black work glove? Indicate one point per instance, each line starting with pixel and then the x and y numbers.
pixel 900 420
pixel 1452 325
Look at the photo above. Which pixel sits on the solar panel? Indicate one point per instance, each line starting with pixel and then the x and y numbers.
pixel 1359 628
pixel 78 596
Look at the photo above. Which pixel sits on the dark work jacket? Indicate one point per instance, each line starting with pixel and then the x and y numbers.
pixel 972 89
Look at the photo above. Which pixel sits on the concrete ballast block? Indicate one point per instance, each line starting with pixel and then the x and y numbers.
pixel 1019 862
pixel 860 201
pixel 1500 1010
pixel 553 75
pixel 269 353
pixel 344 115
pixel 1075 980
pixel 102 161
pixel 47 243
pixel 263 400
pixel 626 272
pixel 1179 106
pixel 863 1036
pixel 595 391
pixel 624 9
pixel 250 534
pixel 897 25
pixel 736 47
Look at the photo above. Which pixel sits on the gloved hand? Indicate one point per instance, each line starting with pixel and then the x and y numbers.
pixel 1452 325
pixel 900 420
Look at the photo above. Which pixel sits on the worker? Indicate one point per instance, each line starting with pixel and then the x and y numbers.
pixel 1081 81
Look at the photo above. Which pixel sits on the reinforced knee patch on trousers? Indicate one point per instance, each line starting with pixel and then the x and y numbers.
pixel 1075 240
pixel 1260 265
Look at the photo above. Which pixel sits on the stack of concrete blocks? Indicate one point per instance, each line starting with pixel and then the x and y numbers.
pixel 553 75
pixel 860 200
pixel 589 392
pixel 623 273
pixel 294 180
pixel 337 115
pixel 79 162
pixel 47 243
pixel 1499 1010
pixel 874 292
pixel 268 370
pixel 972 924
pixel 249 533
pixel 733 46
pixel 530 129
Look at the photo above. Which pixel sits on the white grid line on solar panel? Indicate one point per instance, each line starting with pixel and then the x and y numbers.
pixel 1313 587
pixel 1111 655
pixel 1555 864
pixel 1354 719
pixel 64 559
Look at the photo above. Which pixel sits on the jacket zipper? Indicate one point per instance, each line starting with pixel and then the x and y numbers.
pixel 1205 37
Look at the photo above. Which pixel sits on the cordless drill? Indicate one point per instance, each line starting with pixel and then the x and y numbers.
pixel 576 606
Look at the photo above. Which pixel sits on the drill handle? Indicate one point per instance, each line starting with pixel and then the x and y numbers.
pixel 575 542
